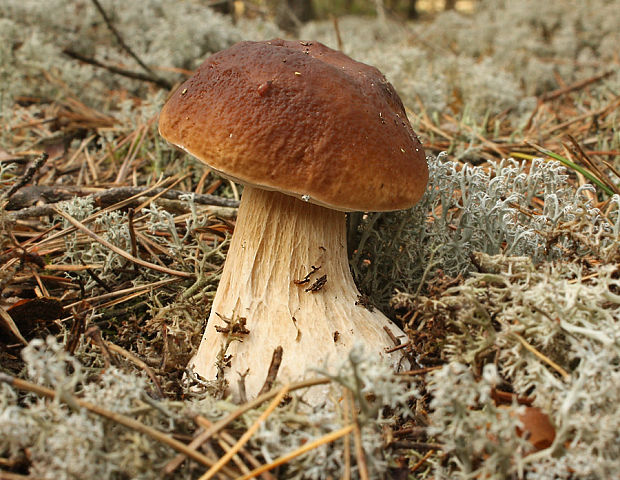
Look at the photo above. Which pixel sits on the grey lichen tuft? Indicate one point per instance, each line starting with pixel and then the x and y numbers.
pixel 554 333
pixel 480 439
pixel 378 396
pixel 469 209
pixel 65 441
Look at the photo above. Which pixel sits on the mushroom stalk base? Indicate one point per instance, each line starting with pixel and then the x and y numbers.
pixel 287 275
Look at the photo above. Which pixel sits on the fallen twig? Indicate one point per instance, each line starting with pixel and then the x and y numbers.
pixel 10 325
pixel 419 371
pixel 94 335
pixel 205 423
pixel 16 476
pixel 119 71
pixel 124 46
pixel 139 363
pixel 408 445
pixel 346 417
pixel 102 197
pixel 547 360
pixel 598 169
pixel 575 86
pixel 272 372
pixel 106 347
pixel 132 235
pixel 219 425
pixel 126 291
pixel 329 438
pixel 27 176
pixel 421 462
pixel 220 464
pixel 360 454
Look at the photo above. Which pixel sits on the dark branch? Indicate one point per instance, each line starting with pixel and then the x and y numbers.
pixel 27 177
pixel 31 195
pixel 156 79
pixel 120 71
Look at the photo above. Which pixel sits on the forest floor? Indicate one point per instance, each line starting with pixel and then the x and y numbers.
pixel 112 243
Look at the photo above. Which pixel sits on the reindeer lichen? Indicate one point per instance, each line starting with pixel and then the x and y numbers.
pixel 469 209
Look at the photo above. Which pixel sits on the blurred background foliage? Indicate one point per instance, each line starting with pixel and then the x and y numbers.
pixel 290 14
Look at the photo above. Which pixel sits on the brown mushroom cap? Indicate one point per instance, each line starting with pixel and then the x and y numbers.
pixel 303 119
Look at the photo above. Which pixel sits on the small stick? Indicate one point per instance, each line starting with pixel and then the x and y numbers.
pixel 42 288
pixel 413 431
pixel 139 363
pixel 243 397
pixel 499 396
pixel 151 246
pixel 124 46
pixel 111 303
pixel 581 279
pixel 119 71
pixel 601 111
pixel 77 330
pixel 427 123
pixel 575 86
pixel 610 166
pixel 132 236
pixel 398 347
pixel 362 467
pixel 8 320
pixel 600 172
pixel 111 196
pixel 131 290
pixel 416 445
pixel 113 416
pixel 419 371
pixel 205 423
pixel 611 153
pixel 94 334
pixel 346 413
pixel 235 458
pixel 132 151
pixel 220 424
pixel 272 373
pixel 221 463
pixel 95 277
pixel 92 217
pixel 547 360
pixel 62 267
pixel 27 177
pixel 337 31
pixel 392 336
pixel 16 476
pixel 421 462
pixel 329 438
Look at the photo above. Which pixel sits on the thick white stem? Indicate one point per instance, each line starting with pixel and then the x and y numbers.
pixel 278 240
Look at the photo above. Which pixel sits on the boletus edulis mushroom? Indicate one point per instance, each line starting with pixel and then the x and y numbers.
pixel 311 134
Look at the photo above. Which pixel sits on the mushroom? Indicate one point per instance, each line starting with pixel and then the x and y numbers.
pixel 311 134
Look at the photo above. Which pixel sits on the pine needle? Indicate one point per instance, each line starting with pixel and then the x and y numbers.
pixel 329 438
pixel 219 465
